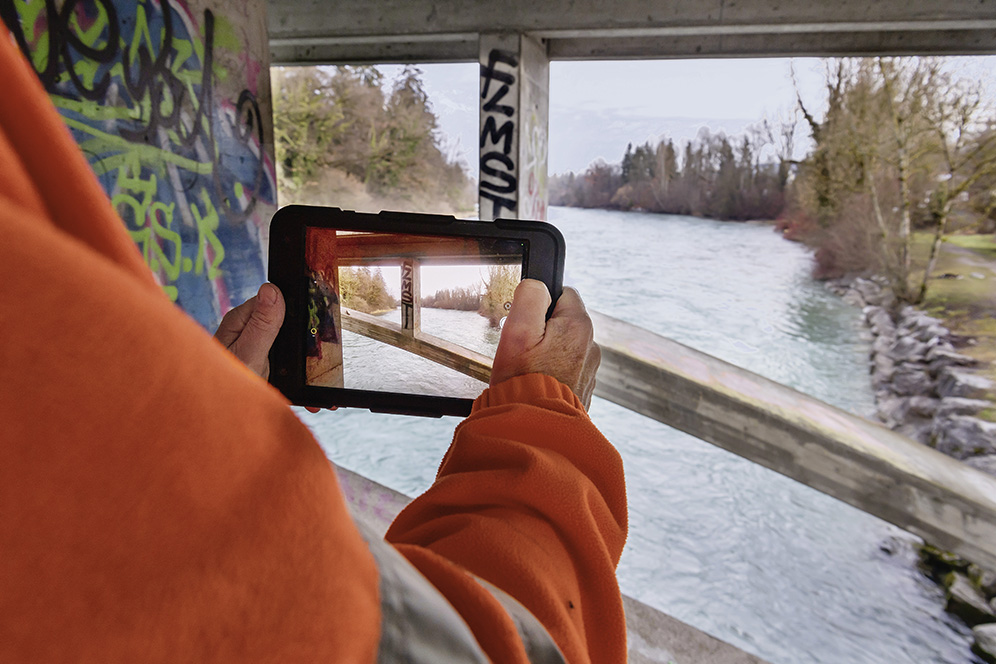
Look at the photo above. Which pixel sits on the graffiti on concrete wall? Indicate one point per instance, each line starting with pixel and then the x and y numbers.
pixel 534 200
pixel 499 182
pixel 169 100
pixel 515 76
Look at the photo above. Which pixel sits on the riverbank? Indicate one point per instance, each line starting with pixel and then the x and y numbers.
pixel 932 371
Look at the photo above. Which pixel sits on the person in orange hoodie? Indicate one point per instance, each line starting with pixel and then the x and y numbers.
pixel 160 502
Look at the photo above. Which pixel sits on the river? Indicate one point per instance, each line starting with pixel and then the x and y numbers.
pixel 751 557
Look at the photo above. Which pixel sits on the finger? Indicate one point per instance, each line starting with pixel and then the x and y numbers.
pixel 526 322
pixel 269 311
pixel 267 317
pixel 234 322
pixel 253 345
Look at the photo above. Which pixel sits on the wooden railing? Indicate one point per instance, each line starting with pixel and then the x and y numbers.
pixel 863 463
pixel 432 348
pixel 850 458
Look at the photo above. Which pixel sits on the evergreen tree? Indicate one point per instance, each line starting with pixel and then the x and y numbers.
pixel 338 133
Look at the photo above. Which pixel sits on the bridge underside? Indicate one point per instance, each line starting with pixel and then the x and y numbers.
pixel 514 42
pixel 333 31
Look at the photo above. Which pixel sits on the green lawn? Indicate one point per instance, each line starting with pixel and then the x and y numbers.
pixel 966 301
pixel 982 244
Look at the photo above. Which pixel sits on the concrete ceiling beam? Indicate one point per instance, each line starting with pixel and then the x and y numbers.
pixel 315 31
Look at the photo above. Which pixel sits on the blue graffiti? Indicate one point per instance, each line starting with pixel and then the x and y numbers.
pixel 139 85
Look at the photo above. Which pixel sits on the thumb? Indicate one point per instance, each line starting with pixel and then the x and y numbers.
pixel 253 345
pixel 524 329
pixel 526 322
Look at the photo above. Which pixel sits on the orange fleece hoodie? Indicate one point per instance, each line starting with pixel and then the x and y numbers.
pixel 160 502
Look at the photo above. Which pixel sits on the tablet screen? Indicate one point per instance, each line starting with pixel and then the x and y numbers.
pixel 401 313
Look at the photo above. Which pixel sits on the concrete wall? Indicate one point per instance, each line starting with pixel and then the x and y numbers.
pixel 514 112
pixel 170 102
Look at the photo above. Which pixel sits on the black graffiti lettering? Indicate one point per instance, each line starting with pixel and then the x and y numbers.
pixel 175 109
pixel 407 284
pixel 506 176
pixel 507 188
pixel 151 76
pixel 154 78
pixel 498 185
pixel 63 41
pixel 489 72
pixel 8 14
pixel 70 40
pixel 57 31
pixel 491 131
pixel 498 203
pixel 249 119
pixel 492 105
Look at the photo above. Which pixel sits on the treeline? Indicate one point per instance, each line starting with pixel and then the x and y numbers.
pixel 905 145
pixel 342 140
pixel 461 299
pixel 711 176
pixel 364 289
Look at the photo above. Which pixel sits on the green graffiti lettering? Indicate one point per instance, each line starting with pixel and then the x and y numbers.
pixel 147 153
pixel 85 68
pixel 134 201
pixel 163 231
pixel 137 83
pixel 206 227
pixel 31 13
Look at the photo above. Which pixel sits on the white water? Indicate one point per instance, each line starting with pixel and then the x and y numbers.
pixel 747 555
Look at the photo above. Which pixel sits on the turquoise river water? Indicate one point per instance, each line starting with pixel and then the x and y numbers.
pixel 738 551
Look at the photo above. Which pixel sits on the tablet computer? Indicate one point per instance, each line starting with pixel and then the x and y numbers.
pixel 398 312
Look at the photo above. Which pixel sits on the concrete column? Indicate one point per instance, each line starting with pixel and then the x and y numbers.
pixel 411 289
pixel 515 102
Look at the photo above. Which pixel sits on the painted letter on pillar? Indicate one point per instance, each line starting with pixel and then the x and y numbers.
pixel 499 144
pixel 170 102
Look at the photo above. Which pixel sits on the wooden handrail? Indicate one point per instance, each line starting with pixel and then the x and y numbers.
pixel 438 350
pixel 860 462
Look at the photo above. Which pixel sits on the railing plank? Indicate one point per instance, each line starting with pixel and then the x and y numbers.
pixel 425 345
pixel 863 463
pixel 860 462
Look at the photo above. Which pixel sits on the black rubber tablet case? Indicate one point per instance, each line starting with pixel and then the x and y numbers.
pixel 543 260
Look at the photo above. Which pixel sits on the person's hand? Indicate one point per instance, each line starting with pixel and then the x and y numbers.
pixel 249 329
pixel 563 347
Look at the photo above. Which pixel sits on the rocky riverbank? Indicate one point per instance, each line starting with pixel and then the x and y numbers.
pixel 927 390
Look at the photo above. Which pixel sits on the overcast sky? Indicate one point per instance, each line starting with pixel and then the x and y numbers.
pixel 596 108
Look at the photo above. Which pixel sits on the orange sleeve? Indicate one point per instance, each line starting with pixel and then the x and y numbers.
pixel 61 182
pixel 530 497
pixel 158 502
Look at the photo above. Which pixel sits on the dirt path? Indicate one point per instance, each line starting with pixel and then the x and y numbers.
pixel 962 292
pixel 971 258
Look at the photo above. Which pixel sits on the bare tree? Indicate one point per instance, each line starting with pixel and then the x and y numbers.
pixel 909 88
pixel 965 134
pixel 904 140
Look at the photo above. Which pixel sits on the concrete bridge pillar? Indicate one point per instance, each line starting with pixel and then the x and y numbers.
pixel 515 96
